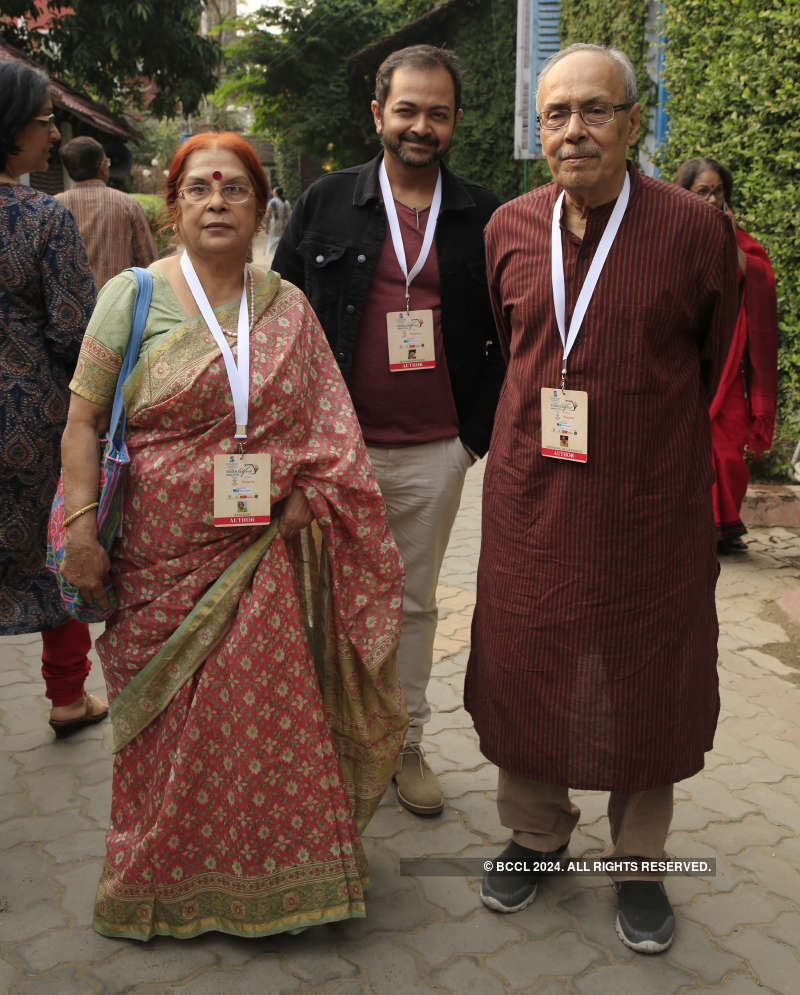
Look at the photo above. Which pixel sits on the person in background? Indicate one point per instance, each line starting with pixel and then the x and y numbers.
pixel 391 256
pixel 113 225
pixel 255 702
pixel 743 408
pixel 593 662
pixel 46 298
pixel 278 211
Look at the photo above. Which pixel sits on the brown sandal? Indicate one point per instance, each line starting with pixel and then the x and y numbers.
pixel 66 727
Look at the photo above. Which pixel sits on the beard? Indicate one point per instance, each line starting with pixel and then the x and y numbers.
pixel 400 150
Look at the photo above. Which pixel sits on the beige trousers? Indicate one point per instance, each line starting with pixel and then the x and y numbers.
pixel 542 817
pixel 421 486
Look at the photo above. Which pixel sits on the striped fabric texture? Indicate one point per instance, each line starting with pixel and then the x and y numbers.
pixel 594 642
pixel 113 227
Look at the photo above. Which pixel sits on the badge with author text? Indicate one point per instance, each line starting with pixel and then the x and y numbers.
pixel 241 489
pixel 410 340
pixel 565 424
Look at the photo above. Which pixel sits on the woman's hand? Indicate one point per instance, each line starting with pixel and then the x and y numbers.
pixel 296 515
pixel 86 563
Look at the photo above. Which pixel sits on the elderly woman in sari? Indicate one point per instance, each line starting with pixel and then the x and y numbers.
pixel 743 408
pixel 255 704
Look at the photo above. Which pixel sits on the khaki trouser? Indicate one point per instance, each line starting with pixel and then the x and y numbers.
pixel 542 817
pixel 421 486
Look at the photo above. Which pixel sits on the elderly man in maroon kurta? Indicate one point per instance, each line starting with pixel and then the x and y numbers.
pixel 594 640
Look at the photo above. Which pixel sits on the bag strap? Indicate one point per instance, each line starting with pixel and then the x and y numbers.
pixel 141 306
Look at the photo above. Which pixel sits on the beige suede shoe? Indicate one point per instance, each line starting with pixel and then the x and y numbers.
pixel 417 786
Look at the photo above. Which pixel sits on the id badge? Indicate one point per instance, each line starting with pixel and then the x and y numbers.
pixel 410 340
pixel 565 424
pixel 241 489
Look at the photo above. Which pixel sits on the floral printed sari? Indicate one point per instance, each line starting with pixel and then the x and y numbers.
pixel 255 701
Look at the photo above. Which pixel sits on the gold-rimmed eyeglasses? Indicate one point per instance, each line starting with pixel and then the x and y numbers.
pixel 49 120
pixel 232 193
pixel 594 113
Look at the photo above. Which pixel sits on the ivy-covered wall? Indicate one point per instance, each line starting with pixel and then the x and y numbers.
pixel 483 146
pixel 732 70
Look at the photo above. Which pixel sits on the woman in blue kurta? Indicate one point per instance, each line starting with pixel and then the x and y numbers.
pixel 46 299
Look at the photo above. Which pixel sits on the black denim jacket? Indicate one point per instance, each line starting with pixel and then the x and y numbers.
pixel 330 249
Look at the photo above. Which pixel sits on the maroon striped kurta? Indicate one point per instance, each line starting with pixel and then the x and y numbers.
pixel 594 639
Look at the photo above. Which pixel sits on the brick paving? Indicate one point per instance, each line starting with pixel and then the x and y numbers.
pixel 737 932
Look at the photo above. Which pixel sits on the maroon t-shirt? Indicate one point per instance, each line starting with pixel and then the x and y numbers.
pixel 413 406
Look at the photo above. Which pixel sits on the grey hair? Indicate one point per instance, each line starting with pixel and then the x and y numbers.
pixel 614 54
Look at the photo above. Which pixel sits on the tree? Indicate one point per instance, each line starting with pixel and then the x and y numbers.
pixel 290 64
pixel 125 54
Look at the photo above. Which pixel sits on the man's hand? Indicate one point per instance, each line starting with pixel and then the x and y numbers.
pixel 296 514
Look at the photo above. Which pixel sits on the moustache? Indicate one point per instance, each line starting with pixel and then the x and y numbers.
pixel 574 151
pixel 410 136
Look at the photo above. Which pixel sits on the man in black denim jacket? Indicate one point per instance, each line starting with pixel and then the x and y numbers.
pixel 426 422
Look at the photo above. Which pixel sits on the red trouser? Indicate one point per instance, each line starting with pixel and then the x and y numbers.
pixel 65 663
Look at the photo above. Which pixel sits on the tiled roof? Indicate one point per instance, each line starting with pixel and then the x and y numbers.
pixel 70 100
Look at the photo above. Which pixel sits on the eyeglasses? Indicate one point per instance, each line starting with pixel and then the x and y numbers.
pixel 232 193
pixel 47 119
pixel 597 112
pixel 717 193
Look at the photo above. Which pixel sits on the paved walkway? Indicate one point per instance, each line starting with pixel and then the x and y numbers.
pixel 737 932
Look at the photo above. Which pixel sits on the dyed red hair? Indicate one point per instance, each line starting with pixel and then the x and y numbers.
pixel 230 141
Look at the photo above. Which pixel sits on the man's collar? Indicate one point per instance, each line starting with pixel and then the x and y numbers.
pixel 90 183
pixel 608 206
pixel 367 190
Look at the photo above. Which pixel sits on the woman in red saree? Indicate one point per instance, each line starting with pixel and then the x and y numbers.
pixel 255 702
pixel 743 409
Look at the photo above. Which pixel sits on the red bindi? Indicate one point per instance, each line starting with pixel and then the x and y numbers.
pixel 216 175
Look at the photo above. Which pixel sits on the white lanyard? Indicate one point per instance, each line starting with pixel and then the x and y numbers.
pixel 394 228
pixel 589 284
pixel 239 376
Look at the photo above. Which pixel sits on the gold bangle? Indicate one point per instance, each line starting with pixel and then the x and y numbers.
pixel 81 511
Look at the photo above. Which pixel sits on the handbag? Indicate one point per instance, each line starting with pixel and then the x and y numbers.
pixel 113 459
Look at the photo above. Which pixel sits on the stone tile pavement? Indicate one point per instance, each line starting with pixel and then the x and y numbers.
pixel 737 932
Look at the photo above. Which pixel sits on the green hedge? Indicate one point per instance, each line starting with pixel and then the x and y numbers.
pixel 731 68
pixel 286 165
pixel 156 213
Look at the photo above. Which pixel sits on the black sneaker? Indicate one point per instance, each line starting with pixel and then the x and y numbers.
pixel 513 891
pixel 645 921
